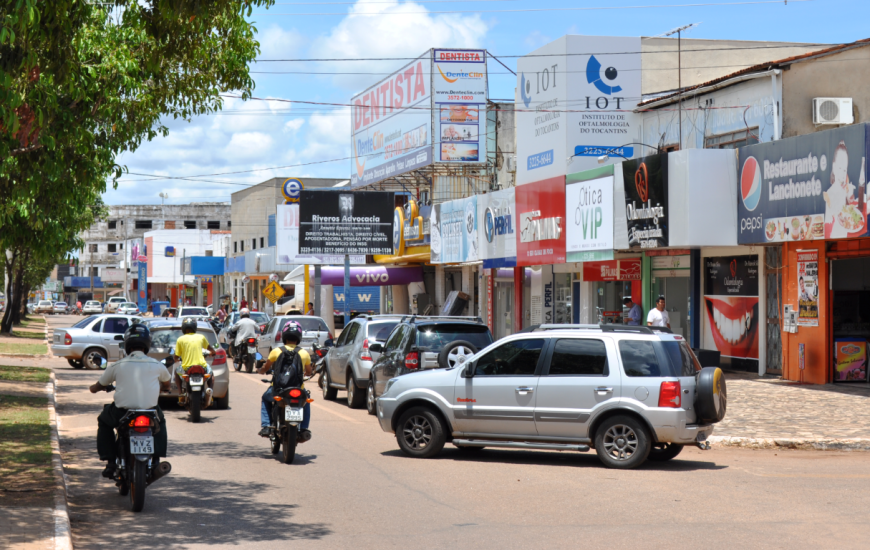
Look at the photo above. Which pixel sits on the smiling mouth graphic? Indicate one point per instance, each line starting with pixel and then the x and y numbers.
pixel 734 324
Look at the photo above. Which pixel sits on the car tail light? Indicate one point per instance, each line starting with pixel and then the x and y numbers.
pixel 141 423
pixel 67 339
pixel 252 341
pixel 278 336
pixel 295 392
pixel 196 369
pixel 262 328
pixel 366 356
pixel 220 357
pixel 412 360
pixel 669 395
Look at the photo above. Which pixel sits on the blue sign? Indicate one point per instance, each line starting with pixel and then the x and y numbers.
pixel 291 189
pixel 142 300
pixel 169 252
pixel 601 150
pixel 539 160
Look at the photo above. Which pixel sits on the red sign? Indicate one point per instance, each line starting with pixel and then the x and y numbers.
pixel 613 270
pixel 143 259
pixel 540 217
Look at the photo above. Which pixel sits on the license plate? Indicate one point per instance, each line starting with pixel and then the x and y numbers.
pixel 196 380
pixel 293 414
pixel 252 350
pixel 142 445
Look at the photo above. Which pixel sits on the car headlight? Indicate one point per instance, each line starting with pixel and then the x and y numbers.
pixel 390 383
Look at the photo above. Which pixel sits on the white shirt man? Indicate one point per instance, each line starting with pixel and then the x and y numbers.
pixel 137 380
pixel 658 316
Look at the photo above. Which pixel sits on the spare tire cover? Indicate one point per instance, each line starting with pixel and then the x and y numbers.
pixel 711 398
pixel 467 347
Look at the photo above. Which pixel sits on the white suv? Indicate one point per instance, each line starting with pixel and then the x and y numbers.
pixel 113 303
pixel 631 393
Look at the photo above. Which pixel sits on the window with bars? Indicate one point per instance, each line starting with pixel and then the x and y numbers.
pixel 213 224
pixel 732 140
pixel 113 247
pixel 143 224
pixel 113 224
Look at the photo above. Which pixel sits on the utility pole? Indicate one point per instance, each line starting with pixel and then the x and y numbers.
pixel 679 33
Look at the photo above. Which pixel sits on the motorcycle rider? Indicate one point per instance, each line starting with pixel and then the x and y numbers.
pixel 245 328
pixel 138 380
pixel 291 335
pixel 188 349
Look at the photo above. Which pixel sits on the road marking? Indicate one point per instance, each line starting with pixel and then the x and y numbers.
pixel 319 407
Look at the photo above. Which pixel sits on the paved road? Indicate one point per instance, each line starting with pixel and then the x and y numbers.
pixel 351 487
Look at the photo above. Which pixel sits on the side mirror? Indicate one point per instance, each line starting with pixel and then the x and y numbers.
pixel 377 348
pixel 469 370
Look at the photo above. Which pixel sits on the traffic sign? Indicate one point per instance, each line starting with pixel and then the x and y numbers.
pixel 273 291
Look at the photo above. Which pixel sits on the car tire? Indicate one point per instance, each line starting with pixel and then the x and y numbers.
pixel 371 400
pixel 329 393
pixel 662 452
pixel 75 363
pixel 711 397
pixel 420 433
pixel 88 359
pixel 456 353
pixel 622 442
pixel 222 403
pixel 355 398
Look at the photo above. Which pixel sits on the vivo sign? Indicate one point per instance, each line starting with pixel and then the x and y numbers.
pixel 372 276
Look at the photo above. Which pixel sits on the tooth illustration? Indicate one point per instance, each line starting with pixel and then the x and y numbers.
pixel 742 323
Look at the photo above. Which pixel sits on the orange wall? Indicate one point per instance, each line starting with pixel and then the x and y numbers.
pixel 817 339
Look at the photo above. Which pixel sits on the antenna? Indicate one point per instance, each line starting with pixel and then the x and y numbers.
pixel 679 31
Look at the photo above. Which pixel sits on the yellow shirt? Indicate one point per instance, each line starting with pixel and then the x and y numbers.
pixel 189 347
pixel 303 356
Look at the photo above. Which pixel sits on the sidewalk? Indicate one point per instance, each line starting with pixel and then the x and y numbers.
pixel 770 413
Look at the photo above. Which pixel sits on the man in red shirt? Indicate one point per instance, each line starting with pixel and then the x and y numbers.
pixel 243 304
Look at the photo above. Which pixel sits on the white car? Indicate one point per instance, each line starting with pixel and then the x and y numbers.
pixel 115 302
pixel 128 308
pixel 59 307
pixel 44 306
pixel 92 307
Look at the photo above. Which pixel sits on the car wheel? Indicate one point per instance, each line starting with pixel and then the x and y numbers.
pixel 355 398
pixel 622 442
pixel 662 452
pixel 223 403
pixel 89 359
pixel 456 353
pixel 371 400
pixel 420 433
pixel 75 363
pixel 328 392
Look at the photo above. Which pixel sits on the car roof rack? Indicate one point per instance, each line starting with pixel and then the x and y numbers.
pixel 611 327
pixel 471 318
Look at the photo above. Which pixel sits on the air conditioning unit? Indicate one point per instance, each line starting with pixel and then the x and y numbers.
pixel 832 110
pixel 511 163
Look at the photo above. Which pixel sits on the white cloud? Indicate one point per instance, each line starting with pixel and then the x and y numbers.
pixel 293 125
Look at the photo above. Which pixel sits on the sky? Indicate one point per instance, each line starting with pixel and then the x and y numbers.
pixel 252 141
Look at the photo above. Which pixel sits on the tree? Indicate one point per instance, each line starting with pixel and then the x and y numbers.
pixel 81 83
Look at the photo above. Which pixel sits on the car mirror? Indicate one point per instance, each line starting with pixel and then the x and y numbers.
pixel 119 337
pixel 377 348
pixel 469 370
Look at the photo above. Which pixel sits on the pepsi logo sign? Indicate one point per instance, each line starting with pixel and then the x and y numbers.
pixel 750 184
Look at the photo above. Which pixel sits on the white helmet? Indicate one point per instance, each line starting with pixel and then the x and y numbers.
pixel 245 312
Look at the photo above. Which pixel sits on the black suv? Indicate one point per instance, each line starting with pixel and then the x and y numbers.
pixel 419 343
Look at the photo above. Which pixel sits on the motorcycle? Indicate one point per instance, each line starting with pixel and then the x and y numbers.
pixel 247 355
pixel 195 384
pixel 288 412
pixel 318 354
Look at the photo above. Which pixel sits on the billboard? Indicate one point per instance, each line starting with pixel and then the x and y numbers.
pixel 804 188
pixel 497 216
pixel 287 242
pixel 392 124
pixel 453 227
pixel 540 217
pixel 731 309
pixel 459 95
pixel 343 223
pixel 589 215
pixel 646 201
pixel 574 103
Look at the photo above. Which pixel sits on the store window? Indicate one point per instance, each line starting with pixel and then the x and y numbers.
pixel 562 296
pixel 851 317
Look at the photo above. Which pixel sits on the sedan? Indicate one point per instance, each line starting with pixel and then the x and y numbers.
pixel 59 307
pixel 92 307
pixel 128 308
pixel 92 337
pixel 44 306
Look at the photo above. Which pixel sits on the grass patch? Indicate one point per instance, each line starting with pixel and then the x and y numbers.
pixel 30 335
pixel 33 321
pixel 24 374
pixel 25 443
pixel 24 349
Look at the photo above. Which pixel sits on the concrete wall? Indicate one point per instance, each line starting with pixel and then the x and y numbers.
pixel 839 75
pixel 506 145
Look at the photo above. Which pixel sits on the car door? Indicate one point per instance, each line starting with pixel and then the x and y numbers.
pixel 500 398
pixel 113 327
pixel 267 340
pixel 385 368
pixel 580 378
pixel 342 355
pixel 332 356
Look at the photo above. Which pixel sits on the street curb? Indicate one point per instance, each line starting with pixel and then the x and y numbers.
pixel 62 530
pixel 797 444
pixel 25 356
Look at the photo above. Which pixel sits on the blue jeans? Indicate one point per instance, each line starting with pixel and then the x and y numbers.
pixel 266 411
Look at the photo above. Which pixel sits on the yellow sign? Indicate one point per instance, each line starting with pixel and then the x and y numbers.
pixel 273 291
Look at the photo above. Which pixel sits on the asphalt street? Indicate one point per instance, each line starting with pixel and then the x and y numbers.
pixel 351 487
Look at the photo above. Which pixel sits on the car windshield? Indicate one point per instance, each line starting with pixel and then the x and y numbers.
pixel 309 323
pixel 166 338
pixel 380 331
pixel 258 317
pixel 129 304
pixel 92 303
pixel 194 311
pixel 62 304
pixel 437 336
pixel 45 303
pixel 116 300
pixel 85 322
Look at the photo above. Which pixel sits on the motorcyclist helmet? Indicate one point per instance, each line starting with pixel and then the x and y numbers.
pixel 137 338
pixel 245 313
pixel 291 333
pixel 188 326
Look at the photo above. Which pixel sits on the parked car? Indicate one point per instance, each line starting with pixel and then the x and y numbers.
pixel 92 307
pixel 194 311
pixel 164 335
pixel 44 306
pixel 31 307
pixel 59 308
pixel 169 312
pixel 314 329
pixel 114 303
pixel 96 335
pixel 630 393
pixel 128 308
pixel 422 343
pixel 350 361
pixel 262 319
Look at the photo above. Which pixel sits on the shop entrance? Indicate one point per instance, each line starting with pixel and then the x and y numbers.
pixel 850 319
pixel 676 293
pixel 608 300
pixel 503 319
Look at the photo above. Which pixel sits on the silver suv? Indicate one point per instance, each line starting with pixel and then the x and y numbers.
pixel 630 393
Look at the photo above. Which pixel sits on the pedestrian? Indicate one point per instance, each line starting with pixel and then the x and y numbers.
pixel 254 305
pixel 221 315
pixel 235 305
pixel 635 313
pixel 310 309
pixel 657 316
pixel 244 303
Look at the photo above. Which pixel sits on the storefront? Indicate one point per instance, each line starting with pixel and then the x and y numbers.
pixel 807 195
pixel 498 252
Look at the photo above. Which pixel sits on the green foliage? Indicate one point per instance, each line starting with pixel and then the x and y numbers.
pixel 24 374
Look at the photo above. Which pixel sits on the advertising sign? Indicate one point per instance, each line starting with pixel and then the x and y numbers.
pixel 804 188
pixel 589 215
pixel 454 232
pixel 287 241
pixel 646 201
pixel 575 101
pixel 850 360
pixel 392 124
pixel 340 223
pixel 613 270
pixel 497 215
pixel 411 226
pixel 459 98
pixel 374 275
pixel 732 309
pixel 137 247
pixel 540 216
pixel 808 288
pixel 142 295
